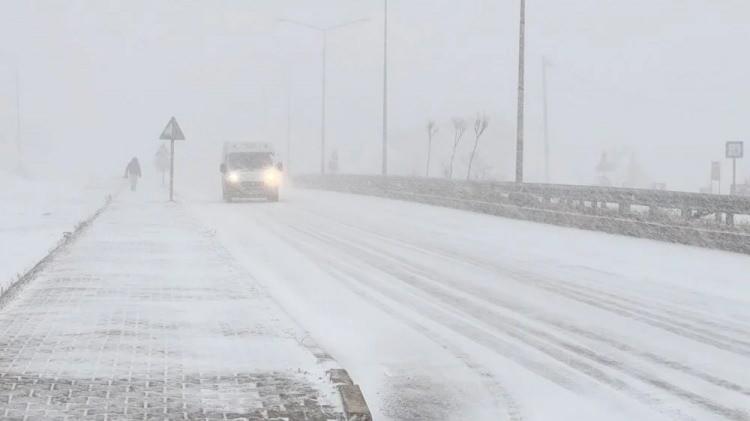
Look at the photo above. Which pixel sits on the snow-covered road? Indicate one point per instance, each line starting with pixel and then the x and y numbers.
pixel 442 314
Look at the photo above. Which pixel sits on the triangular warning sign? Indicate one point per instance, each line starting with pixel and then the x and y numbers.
pixel 172 131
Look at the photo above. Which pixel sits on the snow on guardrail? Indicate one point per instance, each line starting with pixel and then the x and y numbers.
pixel 705 220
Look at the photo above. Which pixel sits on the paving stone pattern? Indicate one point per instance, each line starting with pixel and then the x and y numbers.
pixel 147 317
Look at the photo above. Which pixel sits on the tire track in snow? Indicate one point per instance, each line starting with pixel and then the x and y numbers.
pixel 682 393
pixel 676 327
pixel 596 299
pixel 729 325
pixel 504 348
pixel 479 336
pixel 501 302
pixel 589 296
pixel 502 323
pixel 505 401
pixel 696 299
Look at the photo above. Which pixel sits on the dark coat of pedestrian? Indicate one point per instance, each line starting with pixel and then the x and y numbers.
pixel 133 172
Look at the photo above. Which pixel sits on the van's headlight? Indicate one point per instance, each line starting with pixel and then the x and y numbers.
pixel 233 177
pixel 272 177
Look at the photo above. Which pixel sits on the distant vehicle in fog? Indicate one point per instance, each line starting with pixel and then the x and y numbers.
pixel 249 170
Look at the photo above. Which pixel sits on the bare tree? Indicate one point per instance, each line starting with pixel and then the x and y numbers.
pixel 432 129
pixel 459 127
pixel 480 125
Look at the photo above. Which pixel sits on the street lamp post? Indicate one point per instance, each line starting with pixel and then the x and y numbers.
pixel 519 127
pixel 385 88
pixel 323 103
pixel 324 31
pixel 545 65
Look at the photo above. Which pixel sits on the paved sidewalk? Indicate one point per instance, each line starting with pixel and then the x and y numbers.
pixel 147 317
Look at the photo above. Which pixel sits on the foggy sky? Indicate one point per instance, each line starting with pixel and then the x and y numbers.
pixel 666 80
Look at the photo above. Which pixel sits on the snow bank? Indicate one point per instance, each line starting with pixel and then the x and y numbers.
pixel 35 213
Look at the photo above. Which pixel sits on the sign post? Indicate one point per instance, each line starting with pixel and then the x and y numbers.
pixel 162 162
pixel 171 133
pixel 715 175
pixel 734 150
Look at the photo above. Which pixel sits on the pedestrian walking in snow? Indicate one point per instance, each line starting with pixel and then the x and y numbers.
pixel 133 172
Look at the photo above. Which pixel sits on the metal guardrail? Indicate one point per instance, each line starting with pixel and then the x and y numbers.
pixel 690 204
pixel 657 214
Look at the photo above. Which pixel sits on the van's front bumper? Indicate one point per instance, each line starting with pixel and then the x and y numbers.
pixel 248 189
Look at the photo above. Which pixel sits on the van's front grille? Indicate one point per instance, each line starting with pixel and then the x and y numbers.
pixel 251 185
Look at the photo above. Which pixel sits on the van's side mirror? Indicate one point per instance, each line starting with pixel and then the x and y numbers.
pixel 223 168
pixel 280 166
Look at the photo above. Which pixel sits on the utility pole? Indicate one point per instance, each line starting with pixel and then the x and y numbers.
pixel 324 31
pixel 519 124
pixel 385 89
pixel 323 107
pixel 545 64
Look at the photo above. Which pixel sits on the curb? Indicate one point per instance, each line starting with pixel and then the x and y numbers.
pixel 352 400
pixel 7 294
pixel 355 407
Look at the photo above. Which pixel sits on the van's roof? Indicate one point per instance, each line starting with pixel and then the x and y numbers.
pixel 230 147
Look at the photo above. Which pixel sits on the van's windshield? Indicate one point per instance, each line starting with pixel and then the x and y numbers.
pixel 249 160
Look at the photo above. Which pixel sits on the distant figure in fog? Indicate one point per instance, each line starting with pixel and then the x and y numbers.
pixel 133 172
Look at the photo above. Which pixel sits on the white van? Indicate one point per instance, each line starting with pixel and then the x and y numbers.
pixel 249 170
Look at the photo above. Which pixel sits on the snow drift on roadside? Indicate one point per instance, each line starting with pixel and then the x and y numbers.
pixel 36 213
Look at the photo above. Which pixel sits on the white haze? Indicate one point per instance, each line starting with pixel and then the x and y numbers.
pixel 666 80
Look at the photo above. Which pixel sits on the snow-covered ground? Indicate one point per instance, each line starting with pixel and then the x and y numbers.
pixel 146 316
pixel 438 314
pixel 35 213
pixel 442 314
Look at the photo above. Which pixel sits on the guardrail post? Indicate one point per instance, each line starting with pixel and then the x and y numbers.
pixel 624 208
pixel 717 217
pixel 730 219
pixel 686 213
